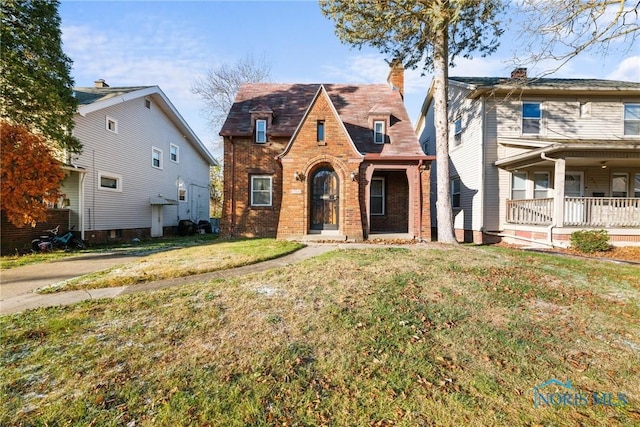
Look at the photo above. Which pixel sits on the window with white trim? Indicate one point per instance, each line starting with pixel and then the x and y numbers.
pixel 174 152
pixel 457 131
pixel 632 119
pixel 111 124
pixel 619 184
pixel 261 186
pixel 636 185
pixel 156 158
pixel 455 192
pixel 531 118
pixel 182 194
pixel 109 181
pixel 378 131
pixel 518 185
pixel 261 131
pixel 377 196
pixel 540 185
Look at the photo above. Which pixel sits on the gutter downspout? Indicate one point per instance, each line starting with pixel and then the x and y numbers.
pixel 482 167
pixel 233 179
pixel 420 205
pixel 553 221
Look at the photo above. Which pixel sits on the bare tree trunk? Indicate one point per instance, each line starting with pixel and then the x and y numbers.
pixel 443 205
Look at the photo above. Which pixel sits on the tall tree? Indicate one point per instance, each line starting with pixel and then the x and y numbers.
pixel 557 31
pixel 30 176
pixel 36 86
pixel 218 88
pixel 427 33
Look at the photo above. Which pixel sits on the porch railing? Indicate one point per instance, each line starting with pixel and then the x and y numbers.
pixel 578 212
pixel 602 211
pixel 530 211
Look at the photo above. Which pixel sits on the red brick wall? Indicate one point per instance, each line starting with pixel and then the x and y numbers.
pixel 305 156
pixel 19 239
pixel 396 217
pixel 242 159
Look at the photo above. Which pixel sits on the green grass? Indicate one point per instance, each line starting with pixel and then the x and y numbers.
pixel 380 336
pixel 179 262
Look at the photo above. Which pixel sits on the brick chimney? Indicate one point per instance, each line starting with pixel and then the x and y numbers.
pixel 100 83
pixel 396 76
pixel 519 73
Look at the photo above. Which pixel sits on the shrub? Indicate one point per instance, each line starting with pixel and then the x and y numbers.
pixel 588 241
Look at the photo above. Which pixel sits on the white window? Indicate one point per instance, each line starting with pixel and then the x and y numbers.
pixel 636 186
pixel 261 131
pixel 378 132
pixel 111 124
pixel 109 181
pixel 457 132
pixel 156 158
pixel 585 110
pixel 619 184
pixel 531 118
pixel 261 190
pixel 455 192
pixel 377 195
pixel 174 151
pixel 182 194
pixel 518 185
pixel 540 185
pixel 632 119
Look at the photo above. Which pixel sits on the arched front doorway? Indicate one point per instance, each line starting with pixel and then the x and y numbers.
pixel 324 199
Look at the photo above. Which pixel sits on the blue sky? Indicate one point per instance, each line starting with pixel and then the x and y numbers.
pixel 171 44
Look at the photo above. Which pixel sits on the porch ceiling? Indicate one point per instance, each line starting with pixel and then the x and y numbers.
pixel 614 153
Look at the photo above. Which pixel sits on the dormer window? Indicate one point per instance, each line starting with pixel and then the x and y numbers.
pixel 378 132
pixel 261 131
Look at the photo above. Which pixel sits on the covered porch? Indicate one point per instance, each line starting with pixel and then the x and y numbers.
pixel 564 187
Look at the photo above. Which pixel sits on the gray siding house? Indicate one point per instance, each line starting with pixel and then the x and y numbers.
pixel 142 169
pixel 533 160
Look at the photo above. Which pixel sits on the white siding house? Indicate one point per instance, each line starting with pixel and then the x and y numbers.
pixel 537 159
pixel 141 170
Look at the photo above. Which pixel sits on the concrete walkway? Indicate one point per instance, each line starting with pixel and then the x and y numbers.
pixel 18 285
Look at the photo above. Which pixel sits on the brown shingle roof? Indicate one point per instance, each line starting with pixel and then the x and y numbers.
pixel 354 104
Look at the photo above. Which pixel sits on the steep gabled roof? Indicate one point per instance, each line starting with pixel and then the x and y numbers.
pixel 92 99
pixel 353 103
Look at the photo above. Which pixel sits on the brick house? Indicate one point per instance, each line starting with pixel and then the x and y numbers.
pixel 328 161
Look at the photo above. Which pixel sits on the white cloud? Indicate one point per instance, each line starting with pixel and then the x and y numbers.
pixel 628 69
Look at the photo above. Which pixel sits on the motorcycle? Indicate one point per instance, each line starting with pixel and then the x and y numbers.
pixel 52 241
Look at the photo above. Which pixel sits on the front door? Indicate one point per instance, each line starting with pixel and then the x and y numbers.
pixel 324 200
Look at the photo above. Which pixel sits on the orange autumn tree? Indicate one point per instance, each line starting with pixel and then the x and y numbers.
pixel 29 177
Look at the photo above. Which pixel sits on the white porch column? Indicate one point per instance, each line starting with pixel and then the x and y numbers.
pixel 558 192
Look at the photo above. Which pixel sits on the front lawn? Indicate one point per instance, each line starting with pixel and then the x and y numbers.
pixel 357 337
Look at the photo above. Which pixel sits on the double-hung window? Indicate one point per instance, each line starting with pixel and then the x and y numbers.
pixel 261 131
pixel 455 192
pixel 531 118
pixel 540 185
pixel 378 132
pixel 156 158
pixel 457 132
pixel 261 186
pixel 174 152
pixel 518 185
pixel 632 119
pixel 619 184
pixel 377 196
